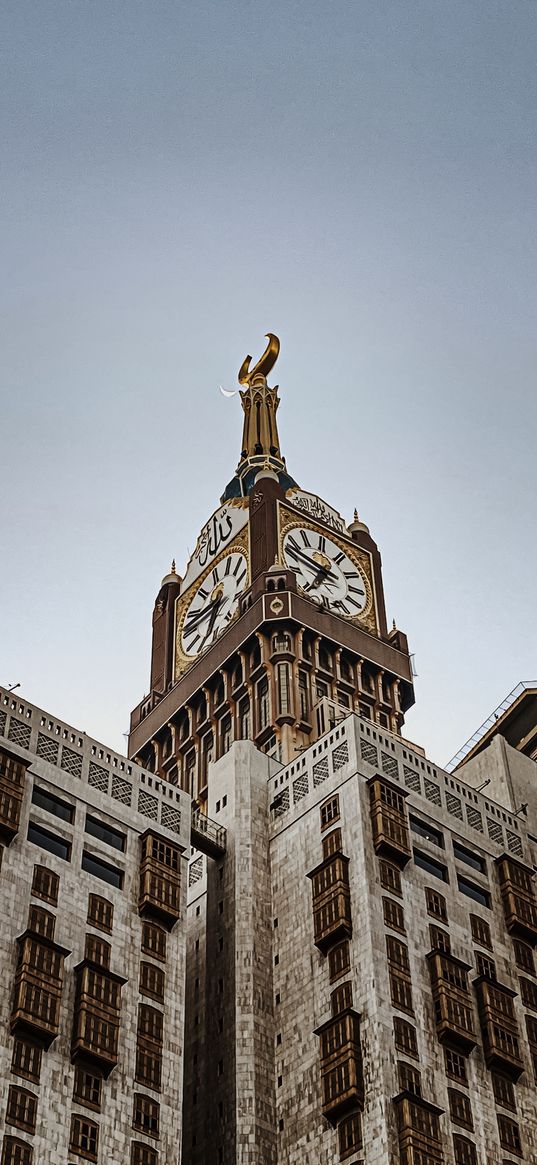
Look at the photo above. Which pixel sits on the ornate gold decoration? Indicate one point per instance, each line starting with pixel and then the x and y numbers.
pixel 260 403
pixel 183 661
pixel 264 365
pixel 289 521
pixel 276 606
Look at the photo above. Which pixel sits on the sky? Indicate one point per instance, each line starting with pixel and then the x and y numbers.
pixel 358 177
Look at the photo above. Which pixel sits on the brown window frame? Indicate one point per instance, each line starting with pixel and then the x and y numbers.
pixel 86 1083
pixel 78 1135
pixel 100 913
pixel 481 931
pixel 45 884
pixel 34 1054
pixel 146 1115
pixel 21 1111
pixel 329 811
pixel 436 904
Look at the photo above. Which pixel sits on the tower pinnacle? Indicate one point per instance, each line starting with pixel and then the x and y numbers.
pixel 260 404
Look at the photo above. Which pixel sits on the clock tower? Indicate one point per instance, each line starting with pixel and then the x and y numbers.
pixel 277 627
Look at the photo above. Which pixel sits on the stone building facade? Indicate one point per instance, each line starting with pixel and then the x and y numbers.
pixel 361 979
pixel 93 875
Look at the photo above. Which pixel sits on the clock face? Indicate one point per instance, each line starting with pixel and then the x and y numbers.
pixel 214 603
pixel 325 573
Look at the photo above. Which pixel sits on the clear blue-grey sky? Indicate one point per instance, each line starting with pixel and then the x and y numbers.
pixel 359 177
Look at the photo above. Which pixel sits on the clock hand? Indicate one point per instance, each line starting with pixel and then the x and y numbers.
pixel 212 620
pixel 199 616
pixel 292 553
pixel 321 576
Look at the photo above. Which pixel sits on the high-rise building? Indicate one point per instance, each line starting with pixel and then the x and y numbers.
pixel 357 925
pixel 92 960
pixel 360 971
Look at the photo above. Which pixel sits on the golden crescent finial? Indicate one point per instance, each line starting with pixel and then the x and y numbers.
pixel 264 365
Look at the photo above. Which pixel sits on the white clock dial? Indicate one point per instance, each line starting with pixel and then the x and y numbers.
pixel 325 573
pixel 214 603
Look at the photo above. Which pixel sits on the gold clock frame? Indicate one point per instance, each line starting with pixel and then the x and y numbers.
pixel 182 661
pixel 289 520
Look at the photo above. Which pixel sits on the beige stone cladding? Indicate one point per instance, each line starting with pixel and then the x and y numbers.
pixel 97 784
pixel 230 1022
pixel 457 835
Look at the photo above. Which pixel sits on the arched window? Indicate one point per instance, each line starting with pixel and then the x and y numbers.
pixel 281 641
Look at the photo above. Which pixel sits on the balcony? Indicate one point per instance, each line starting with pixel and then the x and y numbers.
pixel 518 896
pixel 391 836
pixel 207 836
pixel 454 1013
pixel 499 1028
pixel 160 879
pixel 96 1016
pixel 418 1122
pixel 342 1082
pixel 331 901
pixel 38 988
pixel 12 778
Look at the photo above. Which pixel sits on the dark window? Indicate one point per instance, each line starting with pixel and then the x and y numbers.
pixel 341 998
pixel 100 913
pixel 152 981
pixel 509 1135
pixel 440 940
pixel 146 1114
pixel 350 1135
pixel 21 1108
pixel 46 885
pixel 401 991
pixel 329 812
pixel 504 1092
pixel 84 1137
pixel 97 950
pixel 409 1078
pixel 405 1036
pixel 397 953
pixel 425 830
pixel 148 1068
pixel 49 841
pixel 106 833
pixel 87 1089
pixel 100 869
pixel 390 877
pixel 53 804
pixel 393 914
pixel 436 904
pixel 339 961
pixel 144 1154
pixel 473 891
pixel 154 940
pixel 425 862
pixel 465 1151
pixel 469 857
pixel 41 921
pixel 460 1108
pixel 332 843
pixel 150 1023
pixel 480 931
pixel 26 1060
pixel 524 956
pixel 484 965
pixel 16 1152
pixel 528 993
pixel 455 1065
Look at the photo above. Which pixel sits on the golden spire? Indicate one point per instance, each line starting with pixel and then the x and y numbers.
pixel 260 404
